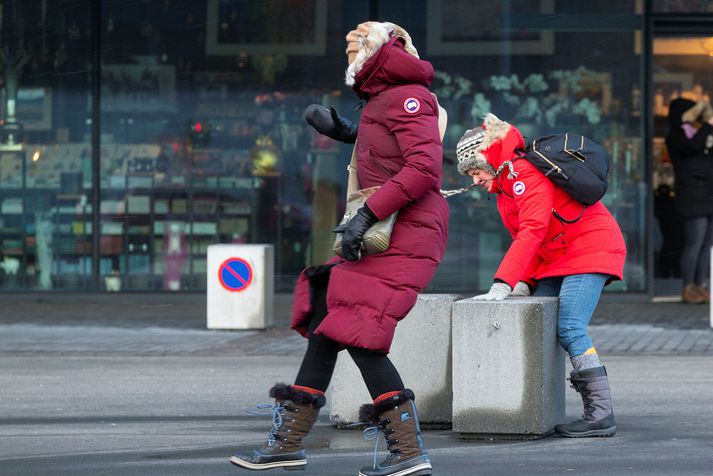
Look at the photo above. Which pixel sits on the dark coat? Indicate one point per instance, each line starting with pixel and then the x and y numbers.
pixel 399 148
pixel 692 163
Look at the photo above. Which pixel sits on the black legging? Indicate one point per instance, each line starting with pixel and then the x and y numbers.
pixel 317 367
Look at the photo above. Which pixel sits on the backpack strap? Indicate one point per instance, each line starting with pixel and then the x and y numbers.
pixel 521 155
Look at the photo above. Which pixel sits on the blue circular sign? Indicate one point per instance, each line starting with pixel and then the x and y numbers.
pixel 235 274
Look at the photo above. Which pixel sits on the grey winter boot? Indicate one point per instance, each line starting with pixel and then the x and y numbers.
pixel 293 415
pixel 396 418
pixel 598 417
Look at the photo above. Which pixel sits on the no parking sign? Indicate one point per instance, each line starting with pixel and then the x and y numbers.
pixel 234 268
pixel 235 274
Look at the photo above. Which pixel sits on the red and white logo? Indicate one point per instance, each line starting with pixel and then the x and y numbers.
pixel 518 188
pixel 411 105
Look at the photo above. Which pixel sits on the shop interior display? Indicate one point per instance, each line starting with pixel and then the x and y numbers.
pixel 201 136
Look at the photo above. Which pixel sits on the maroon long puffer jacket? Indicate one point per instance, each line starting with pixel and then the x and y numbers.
pixel 399 148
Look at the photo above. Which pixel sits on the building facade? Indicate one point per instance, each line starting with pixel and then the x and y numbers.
pixel 136 133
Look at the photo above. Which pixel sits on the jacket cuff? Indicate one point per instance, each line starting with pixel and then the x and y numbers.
pixel 370 213
pixel 510 282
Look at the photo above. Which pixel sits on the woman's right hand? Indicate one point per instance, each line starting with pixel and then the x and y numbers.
pixel 330 123
pixel 498 292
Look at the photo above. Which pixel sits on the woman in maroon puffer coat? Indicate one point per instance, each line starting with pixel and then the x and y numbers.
pixel 356 302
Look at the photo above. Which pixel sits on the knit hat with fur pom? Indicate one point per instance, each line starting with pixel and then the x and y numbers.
pixel 471 148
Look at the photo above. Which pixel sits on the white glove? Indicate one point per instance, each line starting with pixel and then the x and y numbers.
pixel 521 289
pixel 498 292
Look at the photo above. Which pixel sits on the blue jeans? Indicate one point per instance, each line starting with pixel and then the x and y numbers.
pixel 579 295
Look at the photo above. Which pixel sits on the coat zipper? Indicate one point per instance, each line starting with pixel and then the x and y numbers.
pixel 577 154
pixel 554 167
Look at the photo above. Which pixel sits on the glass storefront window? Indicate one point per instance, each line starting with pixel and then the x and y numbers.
pixel 202 138
pixel 45 151
pixel 683 67
pixel 683 6
pixel 527 64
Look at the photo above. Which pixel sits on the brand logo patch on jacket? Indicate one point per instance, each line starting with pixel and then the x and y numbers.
pixel 405 416
pixel 518 188
pixel 412 105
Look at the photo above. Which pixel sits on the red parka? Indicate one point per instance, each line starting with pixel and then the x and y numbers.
pixel 543 245
pixel 399 148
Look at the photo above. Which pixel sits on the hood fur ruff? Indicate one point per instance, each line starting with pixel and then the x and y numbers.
pixel 379 35
pixel 474 142
pixel 495 130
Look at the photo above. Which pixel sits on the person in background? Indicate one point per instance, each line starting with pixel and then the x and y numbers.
pixel 690 146
pixel 553 253
pixel 355 303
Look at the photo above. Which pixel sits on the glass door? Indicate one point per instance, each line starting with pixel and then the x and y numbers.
pixel 682 71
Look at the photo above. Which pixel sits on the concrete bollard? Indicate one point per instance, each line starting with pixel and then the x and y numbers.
pixel 421 352
pixel 508 368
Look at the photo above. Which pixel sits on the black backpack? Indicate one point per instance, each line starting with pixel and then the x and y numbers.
pixel 577 164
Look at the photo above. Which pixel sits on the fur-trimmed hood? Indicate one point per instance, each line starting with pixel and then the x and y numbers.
pixel 379 34
pixel 386 57
pixel 489 146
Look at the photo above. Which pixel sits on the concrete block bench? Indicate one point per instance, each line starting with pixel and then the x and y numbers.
pixel 508 369
pixel 421 352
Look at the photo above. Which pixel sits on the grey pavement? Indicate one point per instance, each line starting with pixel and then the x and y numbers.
pixel 163 324
pixel 135 385
pixel 185 415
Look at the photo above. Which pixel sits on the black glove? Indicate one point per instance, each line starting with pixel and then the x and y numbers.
pixel 354 233
pixel 330 123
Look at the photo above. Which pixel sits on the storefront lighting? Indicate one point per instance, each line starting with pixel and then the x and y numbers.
pixel 707 45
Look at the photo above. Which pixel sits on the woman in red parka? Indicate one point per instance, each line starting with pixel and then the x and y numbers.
pixel 356 302
pixel 560 248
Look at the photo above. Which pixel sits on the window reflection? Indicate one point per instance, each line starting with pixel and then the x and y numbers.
pixel 202 139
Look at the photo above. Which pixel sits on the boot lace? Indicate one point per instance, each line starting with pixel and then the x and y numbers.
pixel 373 433
pixel 276 410
pixel 587 401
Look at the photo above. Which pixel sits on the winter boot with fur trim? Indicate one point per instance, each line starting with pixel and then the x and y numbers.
pixel 396 418
pixel 293 415
pixel 598 417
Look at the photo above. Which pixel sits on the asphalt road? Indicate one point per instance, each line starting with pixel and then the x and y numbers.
pixel 185 415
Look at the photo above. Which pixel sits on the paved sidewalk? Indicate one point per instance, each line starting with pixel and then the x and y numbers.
pixel 95 387
pixel 128 415
pixel 156 325
pixel 30 339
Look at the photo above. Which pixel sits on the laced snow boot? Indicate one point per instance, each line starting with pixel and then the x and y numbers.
pixel 396 418
pixel 293 415
pixel 598 418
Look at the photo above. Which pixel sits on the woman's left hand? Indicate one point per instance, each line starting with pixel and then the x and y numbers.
pixel 498 292
pixel 521 289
